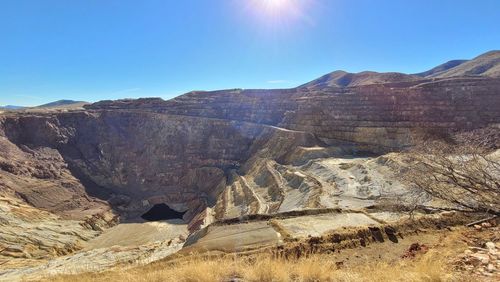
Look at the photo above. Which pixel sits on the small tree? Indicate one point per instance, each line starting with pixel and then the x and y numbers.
pixel 464 171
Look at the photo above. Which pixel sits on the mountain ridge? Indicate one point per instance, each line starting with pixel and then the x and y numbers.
pixel 441 68
pixel 486 64
pixel 58 103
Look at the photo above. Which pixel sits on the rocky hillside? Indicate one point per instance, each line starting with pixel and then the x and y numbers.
pixel 487 64
pixel 441 68
pixel 345 79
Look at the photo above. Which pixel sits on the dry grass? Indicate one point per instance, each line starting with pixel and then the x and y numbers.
pixel 262 267
pixel 377 262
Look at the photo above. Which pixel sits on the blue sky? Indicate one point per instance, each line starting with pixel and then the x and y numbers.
pixel 96 49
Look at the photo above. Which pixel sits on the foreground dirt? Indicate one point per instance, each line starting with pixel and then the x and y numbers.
pixel 423 256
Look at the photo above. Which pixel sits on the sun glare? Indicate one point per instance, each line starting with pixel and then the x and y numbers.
pixel 275 4
pixel 280 12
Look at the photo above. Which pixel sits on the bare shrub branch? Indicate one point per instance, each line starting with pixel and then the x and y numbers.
pixel 464 171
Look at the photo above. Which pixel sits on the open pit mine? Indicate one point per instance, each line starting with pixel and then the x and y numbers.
pixel 129 182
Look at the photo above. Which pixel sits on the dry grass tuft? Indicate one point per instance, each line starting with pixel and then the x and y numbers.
pixel 263 267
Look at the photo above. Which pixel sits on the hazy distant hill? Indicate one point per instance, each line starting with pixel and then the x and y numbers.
pixel 61 103
pixel 10 107
pixel 56 105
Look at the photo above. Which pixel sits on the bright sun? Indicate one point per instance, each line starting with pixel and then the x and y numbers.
pixel 279 13
pixel 275 4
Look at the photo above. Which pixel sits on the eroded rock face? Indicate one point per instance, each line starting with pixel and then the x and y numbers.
pixel 30 233
pixel 387 115
pixel 187 151
pixel 40 177
pixel 383 115
pixel 134 159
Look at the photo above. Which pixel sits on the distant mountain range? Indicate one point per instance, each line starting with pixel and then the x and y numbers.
pixel 487 64
pixel 10 107
pixel 55 104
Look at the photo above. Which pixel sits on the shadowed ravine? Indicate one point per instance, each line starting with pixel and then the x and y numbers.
pixel 162 212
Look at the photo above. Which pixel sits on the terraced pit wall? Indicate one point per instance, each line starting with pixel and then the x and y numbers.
pixel 136 153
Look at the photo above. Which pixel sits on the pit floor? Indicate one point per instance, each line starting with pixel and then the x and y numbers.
pixel 137 234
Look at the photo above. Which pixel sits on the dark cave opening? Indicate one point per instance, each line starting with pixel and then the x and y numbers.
pixel 162 212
